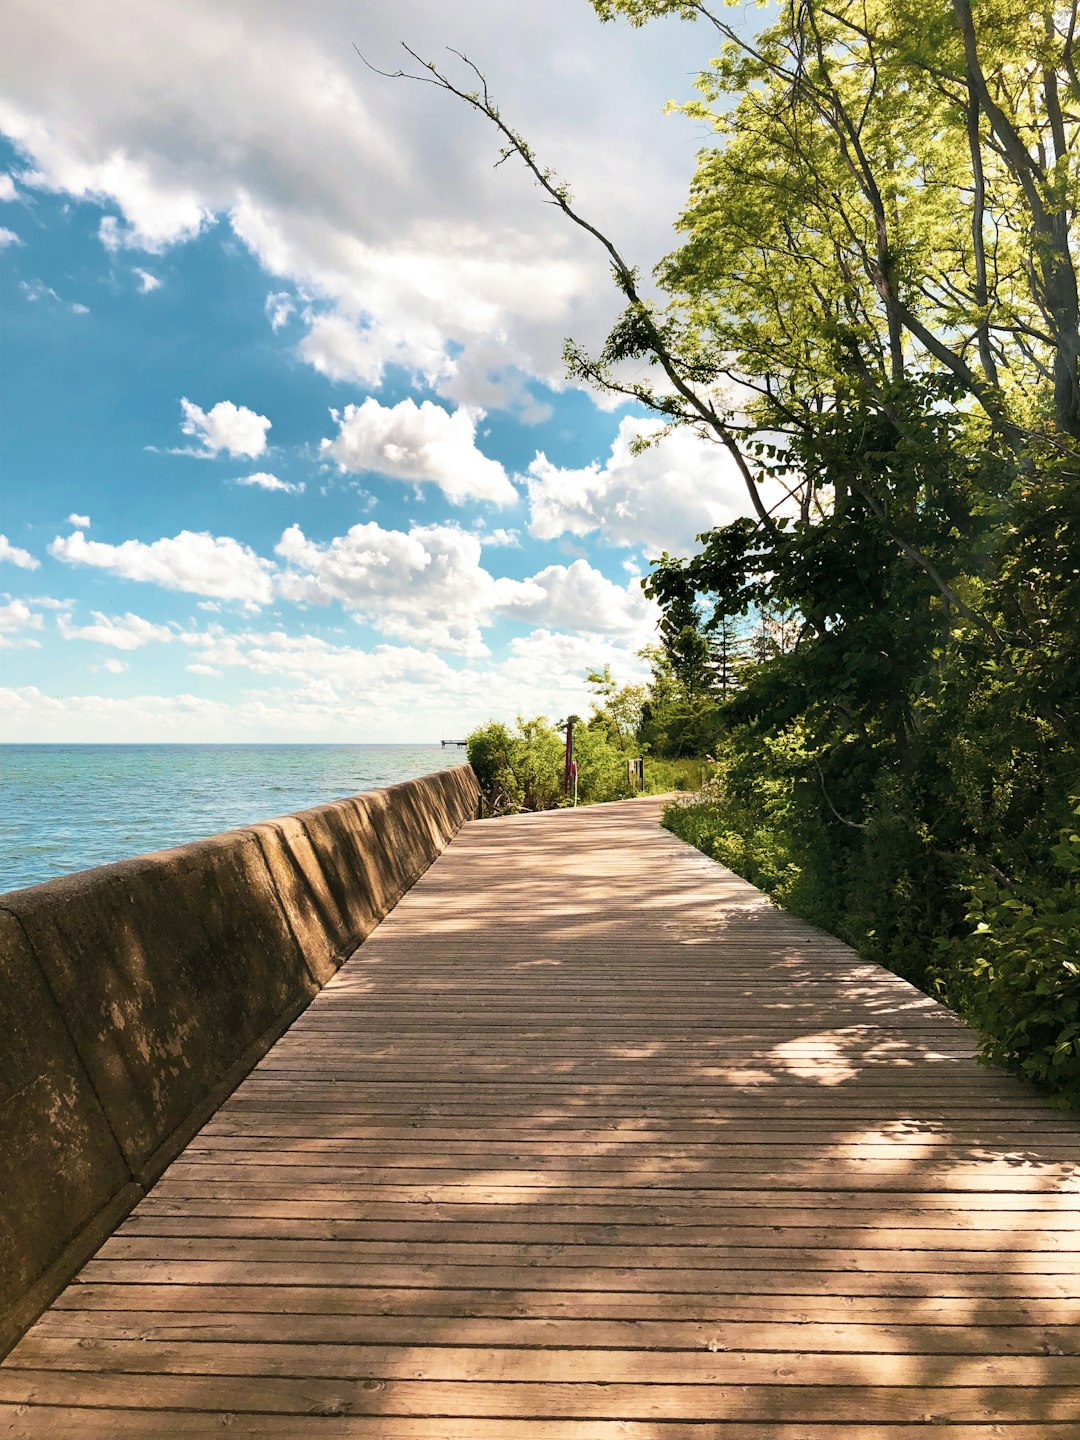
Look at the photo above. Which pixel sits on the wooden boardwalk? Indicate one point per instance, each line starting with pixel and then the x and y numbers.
pixel 588 1141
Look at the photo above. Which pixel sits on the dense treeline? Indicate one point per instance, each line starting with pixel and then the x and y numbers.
pixel 874 312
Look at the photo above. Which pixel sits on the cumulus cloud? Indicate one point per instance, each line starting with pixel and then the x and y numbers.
pixel 343 345
pixel 263 480
pixel 420 443
pixel 577 597
pixel 147 281
pixel 379 201
pixel 81 522
pixel 8 237
pixel 500 539
pixel 550 667
pixel 279 306
pixel 114 667
pixel 7 187
pixel 16 618
pixel 156 215
pixel 661 498
pixel 196 562
pixel 122 632
pixel 13 555
pixel 226 427
pixel 426 584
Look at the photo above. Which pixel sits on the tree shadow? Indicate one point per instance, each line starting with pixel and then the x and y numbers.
pixel 588 1140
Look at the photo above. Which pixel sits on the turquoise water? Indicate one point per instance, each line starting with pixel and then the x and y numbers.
pixel 67 807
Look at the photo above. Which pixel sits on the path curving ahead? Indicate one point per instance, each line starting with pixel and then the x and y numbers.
pixel 589 1141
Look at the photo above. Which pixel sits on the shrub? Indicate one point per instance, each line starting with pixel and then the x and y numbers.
pixel 1016 975
pixel 519 769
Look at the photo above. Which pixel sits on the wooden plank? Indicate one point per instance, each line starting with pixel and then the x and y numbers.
pixel 518 1332
pixel 542 1365
pixel 984 1228
pixel 762 1281
pixel 852 1405
pixel 75 1423
pixel 569 1255
pixel 589 1141
pixel 450 1301
pixel 536 1231
pixel 880 1202
pixel 943 1178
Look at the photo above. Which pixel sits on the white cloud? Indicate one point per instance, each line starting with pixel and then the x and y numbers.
pixel 577 597
pixel 16 618
pixel 425 585
pixel 379 199
pixel 548 669
pixel 122 632
pixel 660 499
pixel 199 563
pixel 500 539
pixel 318 690
pixel 79 309
pixel 13 555
pixel 156 216
pixel 114 667
pixel 7 188
pixel 35 290
pixel 419 443
pixel 232 428
pixel 262 480
pixel 8 237
pixel 147 281
pixel 428 586
pixel 406 691
pixel 81 522
pixel 279 307
pixel 343 347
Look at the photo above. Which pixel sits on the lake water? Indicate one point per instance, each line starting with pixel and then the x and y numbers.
pixel 67 807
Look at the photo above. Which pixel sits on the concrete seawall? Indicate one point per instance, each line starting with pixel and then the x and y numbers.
pixel 134 997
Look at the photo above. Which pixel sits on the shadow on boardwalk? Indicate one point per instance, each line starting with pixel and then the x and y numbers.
pixel 590 1141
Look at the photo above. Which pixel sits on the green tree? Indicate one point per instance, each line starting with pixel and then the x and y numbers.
pixel 619 707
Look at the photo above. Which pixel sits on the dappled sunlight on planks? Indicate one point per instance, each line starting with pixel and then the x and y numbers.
pixel 589 1140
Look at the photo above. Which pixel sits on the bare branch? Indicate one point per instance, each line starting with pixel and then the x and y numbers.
pixel 624 274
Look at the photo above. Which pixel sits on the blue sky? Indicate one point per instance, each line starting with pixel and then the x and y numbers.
pixel 287 452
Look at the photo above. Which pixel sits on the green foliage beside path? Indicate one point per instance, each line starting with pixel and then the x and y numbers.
pixel 1005 956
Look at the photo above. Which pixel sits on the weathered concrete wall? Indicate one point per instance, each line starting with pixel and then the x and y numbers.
pixel 135 997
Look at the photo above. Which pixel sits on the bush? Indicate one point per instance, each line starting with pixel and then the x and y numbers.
pixel 518 769
pixel 1016 975
pixel 601 763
